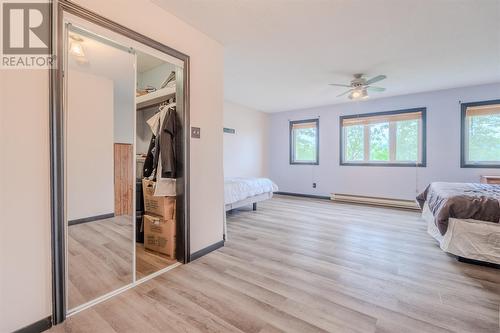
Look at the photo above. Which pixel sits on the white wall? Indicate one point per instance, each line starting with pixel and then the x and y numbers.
pixel 24 146
pixel 443 148
pixel 124 110
pixel 90 150
pixel 25 271
pixel 246 151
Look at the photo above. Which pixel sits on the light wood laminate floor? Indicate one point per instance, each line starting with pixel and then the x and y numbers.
pixel 100 255
pixel 149 262
pixel 300 265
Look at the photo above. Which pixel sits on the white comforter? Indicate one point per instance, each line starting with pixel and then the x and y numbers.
pixel 237 189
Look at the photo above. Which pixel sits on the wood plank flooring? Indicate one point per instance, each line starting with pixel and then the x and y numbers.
pixel 304 265
pixel 100 258
pixel 149 262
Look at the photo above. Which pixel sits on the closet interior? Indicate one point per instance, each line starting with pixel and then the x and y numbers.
pixel 124 163
pixel 157 127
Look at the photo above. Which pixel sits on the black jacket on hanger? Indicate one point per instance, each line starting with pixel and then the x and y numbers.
pixel 168 132
pixel 149 162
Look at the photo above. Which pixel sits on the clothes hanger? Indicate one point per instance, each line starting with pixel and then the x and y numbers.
pixel 167 104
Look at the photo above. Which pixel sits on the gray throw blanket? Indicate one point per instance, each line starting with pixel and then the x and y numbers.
pixel 461 201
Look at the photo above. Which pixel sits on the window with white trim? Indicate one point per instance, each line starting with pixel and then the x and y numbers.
pixel 394 138
pixel 481 134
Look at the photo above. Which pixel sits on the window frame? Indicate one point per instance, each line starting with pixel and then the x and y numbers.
pixel 423 162
pixel 292 145
pixel 463 134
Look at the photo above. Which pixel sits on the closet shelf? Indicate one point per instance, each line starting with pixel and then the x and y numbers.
pixel 154 97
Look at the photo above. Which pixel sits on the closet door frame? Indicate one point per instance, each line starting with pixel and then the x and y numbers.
pixel 57 177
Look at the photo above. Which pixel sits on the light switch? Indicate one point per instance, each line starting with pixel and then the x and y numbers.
pixel 195 132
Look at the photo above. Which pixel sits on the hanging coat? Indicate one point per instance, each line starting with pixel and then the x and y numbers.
pixel 167 143
pixel 161 156
pixel 150 162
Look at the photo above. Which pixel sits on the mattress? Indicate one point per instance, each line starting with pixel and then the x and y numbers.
pixel 467 238
pixel 239 189
pixel 462 201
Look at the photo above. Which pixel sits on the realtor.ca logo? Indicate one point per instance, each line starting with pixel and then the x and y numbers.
pixel 26 34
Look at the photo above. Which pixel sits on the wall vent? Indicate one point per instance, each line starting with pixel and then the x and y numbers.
pixel 376 201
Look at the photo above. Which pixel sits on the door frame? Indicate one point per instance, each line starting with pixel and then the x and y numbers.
pixel 57 185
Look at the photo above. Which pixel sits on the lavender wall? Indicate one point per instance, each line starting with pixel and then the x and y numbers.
pixel 443 147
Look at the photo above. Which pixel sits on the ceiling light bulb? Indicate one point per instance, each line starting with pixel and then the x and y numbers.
pixel 76 49
pixel 356 94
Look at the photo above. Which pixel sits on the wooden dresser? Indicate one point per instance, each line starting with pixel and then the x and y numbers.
pixel 490 180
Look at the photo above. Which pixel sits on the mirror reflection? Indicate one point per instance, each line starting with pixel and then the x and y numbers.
pixel 123 165
pixel 100 84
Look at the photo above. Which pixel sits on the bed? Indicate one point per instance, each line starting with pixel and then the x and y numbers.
pixel 239 192
pixel 464 219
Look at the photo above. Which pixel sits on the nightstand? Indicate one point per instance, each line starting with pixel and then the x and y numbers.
pixel 490 180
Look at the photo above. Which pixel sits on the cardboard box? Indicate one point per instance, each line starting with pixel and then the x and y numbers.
pixel 159 235
pixel 162 206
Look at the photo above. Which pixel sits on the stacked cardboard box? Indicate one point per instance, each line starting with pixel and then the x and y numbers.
pixel 159 221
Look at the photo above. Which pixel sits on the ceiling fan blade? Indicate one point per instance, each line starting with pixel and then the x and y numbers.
pixel 377 89
pixel 345 92
pixel 376 79
pixel 339 85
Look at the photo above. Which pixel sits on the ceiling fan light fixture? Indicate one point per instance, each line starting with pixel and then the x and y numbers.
pixel 359 86
pixel 355 94
pixel 76 47
pixel 358 94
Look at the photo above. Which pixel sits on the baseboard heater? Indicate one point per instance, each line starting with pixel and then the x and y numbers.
pixel 376 201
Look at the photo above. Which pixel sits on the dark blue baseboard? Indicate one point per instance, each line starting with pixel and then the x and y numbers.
pixel 206 250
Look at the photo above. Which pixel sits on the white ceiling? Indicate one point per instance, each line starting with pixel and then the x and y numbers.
pixel 281 55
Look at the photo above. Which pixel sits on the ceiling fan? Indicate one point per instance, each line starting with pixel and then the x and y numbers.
pixel 360 86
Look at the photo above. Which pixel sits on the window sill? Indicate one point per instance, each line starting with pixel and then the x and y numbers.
pixel 480 166
pixel 304 163
pixel 404 165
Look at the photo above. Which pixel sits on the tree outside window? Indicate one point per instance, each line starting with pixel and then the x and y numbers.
pixel 481 134
pixel 395 138
pixel 304 143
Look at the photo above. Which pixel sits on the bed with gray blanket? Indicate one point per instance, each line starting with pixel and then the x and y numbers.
pixel 464 218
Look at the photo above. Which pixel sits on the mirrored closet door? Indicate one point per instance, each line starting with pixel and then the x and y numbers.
pixel 124 161
pixel 100 83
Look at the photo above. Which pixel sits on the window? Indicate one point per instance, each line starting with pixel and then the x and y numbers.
pixel 304 141
pixel 480 142
pixel 394 138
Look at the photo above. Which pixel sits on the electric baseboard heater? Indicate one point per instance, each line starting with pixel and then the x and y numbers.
pixel 376 201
